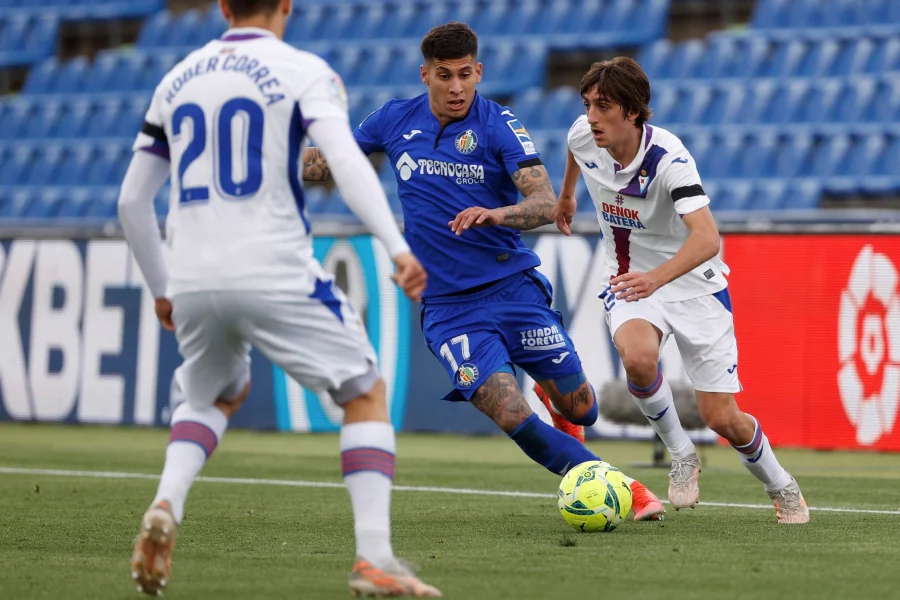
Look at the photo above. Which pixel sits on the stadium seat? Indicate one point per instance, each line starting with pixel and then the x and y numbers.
pixel 767 196
pixel 73 171
pixel 25 38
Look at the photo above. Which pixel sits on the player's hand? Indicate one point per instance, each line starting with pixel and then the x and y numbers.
pixel 409 275
pixel 475 216
pixel 164 313
pixel 634 285
pixel 564 211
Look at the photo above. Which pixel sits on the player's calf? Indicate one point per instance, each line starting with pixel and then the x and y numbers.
pixel 573 397
pixel 500 398
pixel 721 413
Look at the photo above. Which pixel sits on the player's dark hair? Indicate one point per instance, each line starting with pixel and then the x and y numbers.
pixel 448 41
pixel 241 9
pixel 623 81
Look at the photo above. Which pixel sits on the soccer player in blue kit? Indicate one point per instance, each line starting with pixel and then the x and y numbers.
pixel 461 161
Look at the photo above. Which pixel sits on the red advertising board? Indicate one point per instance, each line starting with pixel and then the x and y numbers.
pixel 818 327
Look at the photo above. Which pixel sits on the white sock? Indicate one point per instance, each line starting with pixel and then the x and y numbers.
pixel 367 461
pixel 195 434
pixel 657 405
pixel 760 460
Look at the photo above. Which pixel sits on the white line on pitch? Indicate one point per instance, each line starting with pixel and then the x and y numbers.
pixel 399 488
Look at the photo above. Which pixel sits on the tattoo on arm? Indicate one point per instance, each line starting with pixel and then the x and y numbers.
pixel 314 166
pixel 501 399
pixel 540 200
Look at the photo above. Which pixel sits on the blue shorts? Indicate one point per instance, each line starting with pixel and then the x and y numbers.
pixel 475 335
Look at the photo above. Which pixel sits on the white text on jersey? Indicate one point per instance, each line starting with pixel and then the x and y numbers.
pixel 237 63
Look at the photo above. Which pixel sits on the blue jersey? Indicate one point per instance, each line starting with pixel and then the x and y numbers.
pixel 441 172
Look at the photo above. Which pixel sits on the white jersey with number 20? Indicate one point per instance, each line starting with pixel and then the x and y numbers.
pixel 232 118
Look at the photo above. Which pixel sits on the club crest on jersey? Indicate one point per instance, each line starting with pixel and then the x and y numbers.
pixel 467 374
pixel 466 142
pixel 643 180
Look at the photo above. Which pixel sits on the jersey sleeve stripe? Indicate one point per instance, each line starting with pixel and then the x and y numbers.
pixel 687 191
pixel 158 149
pixel 531 162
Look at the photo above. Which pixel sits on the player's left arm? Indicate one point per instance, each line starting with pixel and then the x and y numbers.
pixel 684 187
pixel 534 210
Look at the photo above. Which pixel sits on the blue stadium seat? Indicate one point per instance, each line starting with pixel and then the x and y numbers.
pixel 100 203
pixel 885 105
pixel 43 119
pixel 155 31
pixel 214 24
pixel 791 152
pixel 863 151
pixel 803 194
pixel 74 169
pixel 663 100
pixel 855 100
pixel 72 205
pixel 786 103
pixel 883 174
pixel 770 14
pixel 47 202
pixel 732 195
pixel 654 59
pixel 16 168
pixel 752 156
pixel 186 29
pixel 684 60
pixel 105 118
pixel 71 77
pixel 78 117
pixel 527 108
pixel 885 56
pixel 15 119
pixel 723 105
pixel 26 39
pixel 769 196
pixel 724 156
pixel 827 154
pixel 782 59
pixel 818 103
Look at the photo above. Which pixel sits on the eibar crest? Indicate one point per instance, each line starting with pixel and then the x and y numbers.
pixel 643 180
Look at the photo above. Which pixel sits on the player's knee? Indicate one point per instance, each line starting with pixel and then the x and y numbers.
pixel 363 398
pixel 232 397
pixel 641 367
pixel 722 416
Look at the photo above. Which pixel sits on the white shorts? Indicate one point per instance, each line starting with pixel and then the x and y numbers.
pixel 704 331
pixel 318 339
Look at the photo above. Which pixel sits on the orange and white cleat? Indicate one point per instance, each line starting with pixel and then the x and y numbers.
pixel 644 503
pixel 684 482
pixel 396 581
pixel 151 562
pixel 790 507
pixel 559 421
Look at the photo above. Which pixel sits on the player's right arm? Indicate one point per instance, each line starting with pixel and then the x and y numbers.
pixel 146 174
pixel 355 177
pixel 368 137
pixel 568 202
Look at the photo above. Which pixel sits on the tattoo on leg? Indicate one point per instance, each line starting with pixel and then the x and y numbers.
pixel 501 399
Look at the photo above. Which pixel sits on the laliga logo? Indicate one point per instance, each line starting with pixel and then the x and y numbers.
pixel 869 346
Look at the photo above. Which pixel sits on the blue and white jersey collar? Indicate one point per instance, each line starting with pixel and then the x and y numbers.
pixel 242 34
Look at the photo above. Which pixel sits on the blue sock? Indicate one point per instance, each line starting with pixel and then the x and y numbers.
pixel 554 450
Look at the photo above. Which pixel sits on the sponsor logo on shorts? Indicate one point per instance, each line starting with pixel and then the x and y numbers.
pixel 542 338
pixel 467 374
pixel 709 274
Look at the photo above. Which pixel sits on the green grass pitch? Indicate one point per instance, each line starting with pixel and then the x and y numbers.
pixel 65 536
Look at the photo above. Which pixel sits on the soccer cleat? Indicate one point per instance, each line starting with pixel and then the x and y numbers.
pixel 790 507
pixel 645 504
pixel 395 581
pixel 151 562
pixel 559 421
pixel 684 486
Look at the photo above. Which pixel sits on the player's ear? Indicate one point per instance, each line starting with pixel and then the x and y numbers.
pixel 478 70
pixel 226 12
pixel 286 7
pixel 423 73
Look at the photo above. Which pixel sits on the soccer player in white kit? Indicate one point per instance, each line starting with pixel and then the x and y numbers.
pixel 661 244
pixel 228 124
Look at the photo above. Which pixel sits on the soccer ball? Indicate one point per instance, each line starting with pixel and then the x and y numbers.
pixel 594 496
